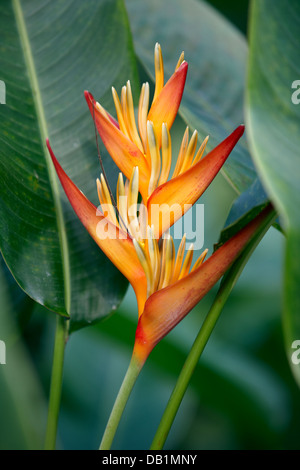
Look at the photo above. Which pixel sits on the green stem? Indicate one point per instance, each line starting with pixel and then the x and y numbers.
pixel 61 335
pixel 132 374
pixel 227 284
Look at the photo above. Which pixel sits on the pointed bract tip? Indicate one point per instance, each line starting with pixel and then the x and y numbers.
pixel 241 128
pixel 53 158
pixel 50 149
pixel 88 96
pixel 184 66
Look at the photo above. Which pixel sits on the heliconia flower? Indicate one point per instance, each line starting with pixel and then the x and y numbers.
pixel 135 235
pixel 148 146
pixel 126 140
pixel 166 285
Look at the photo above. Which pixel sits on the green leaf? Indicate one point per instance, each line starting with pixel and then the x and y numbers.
pixel 247 206
pixel 50 53
pixel 216 52
pixel 23 405
pixel 273 117
pixel 236 12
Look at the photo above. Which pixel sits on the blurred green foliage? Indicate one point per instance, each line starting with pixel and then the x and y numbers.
pixel 236 12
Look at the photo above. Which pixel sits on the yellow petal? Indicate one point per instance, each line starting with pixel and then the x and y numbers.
pixel 180 60
pixel 190 152
pixel 182 152
pixel 166 155
pixel 105 200
pixel 154 157
pixel 119 112
pixel 179 259
pixel 187 262
pixel 167 262
pixel 159 70
pixel 200 152
pixel 143 113
pixel 131 118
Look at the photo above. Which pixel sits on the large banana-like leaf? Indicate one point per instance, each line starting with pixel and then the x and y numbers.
pixel 50 52
pixel 273 119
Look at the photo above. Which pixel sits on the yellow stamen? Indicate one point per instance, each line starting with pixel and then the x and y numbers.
pixel 154 258
pixel 122 203
pixel 142 220
pixel 166 154
pixel 108 206
pixel 119 113
pixel 126 187
pixel 144 260
pixel 182 152
pixel 200 152
pixel 125 111
pixel 180 60
pixel 102 110
pixel 154 155
pixel 179 259
pixel 199 260
pixel 188 158
pixel 133 191
pixel 167 261
pixel 159 70
pixel 131 118
pixel 187 262
pixel 100 194
pixel 143 113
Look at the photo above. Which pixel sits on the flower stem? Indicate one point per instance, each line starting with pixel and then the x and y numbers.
pixel 61 335
pixel 132 374
pixel 227 284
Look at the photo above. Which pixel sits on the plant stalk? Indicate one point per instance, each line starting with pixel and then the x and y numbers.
pixel 132 374
pixel 61 336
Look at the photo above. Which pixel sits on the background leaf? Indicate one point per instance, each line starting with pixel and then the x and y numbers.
pixel 235 12
pixel 23 404
pixel 273 128
pixel 245 207
pixel 217 53
pixel 50 53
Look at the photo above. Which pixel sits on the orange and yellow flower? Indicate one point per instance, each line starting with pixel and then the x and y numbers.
pixel 167 286
pixel 131 144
